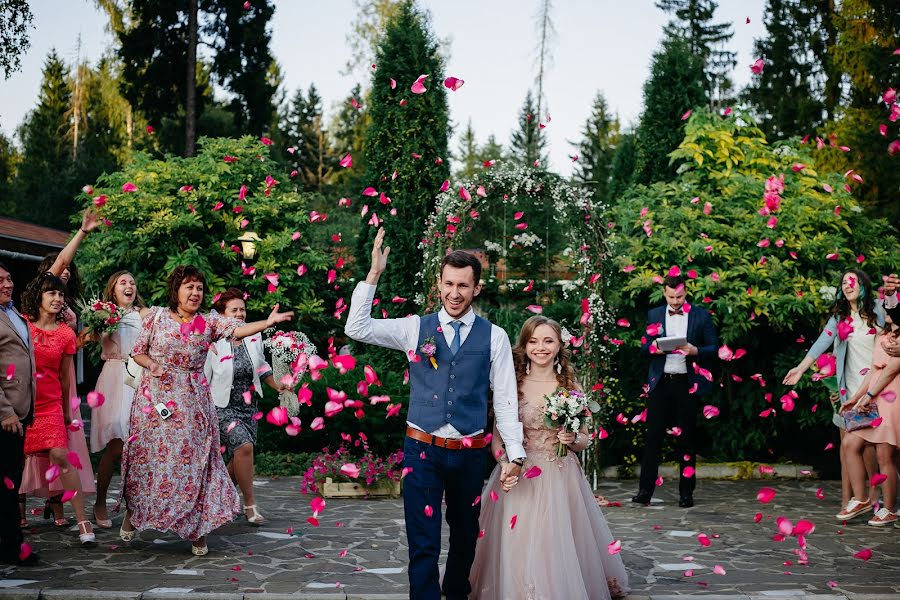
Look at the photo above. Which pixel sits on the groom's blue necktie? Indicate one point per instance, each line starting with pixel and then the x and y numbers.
pixel 455 344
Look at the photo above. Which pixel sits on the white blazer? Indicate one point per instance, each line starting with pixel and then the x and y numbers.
pixel 220 373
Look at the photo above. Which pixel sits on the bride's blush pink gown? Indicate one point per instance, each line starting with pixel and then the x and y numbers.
pixel 558 547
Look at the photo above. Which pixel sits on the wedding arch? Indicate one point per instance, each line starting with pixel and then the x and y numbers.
pixel 514 191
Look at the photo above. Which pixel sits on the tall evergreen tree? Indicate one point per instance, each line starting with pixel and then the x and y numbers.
pixel 784 95
pixel 622 169
pixel 467 157
pixel 9 159
pixel 675 86
pixel 44 185
pixel 528 143
pixel 407 135
pixel 599 140
pixel 155 45
pixel 304 132
pixel 348 135
pixel 693 22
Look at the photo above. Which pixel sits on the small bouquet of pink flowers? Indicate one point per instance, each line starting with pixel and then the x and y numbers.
pixel 100 316
pixel 566 410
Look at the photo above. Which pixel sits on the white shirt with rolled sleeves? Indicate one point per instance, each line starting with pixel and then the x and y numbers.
pixel 403 335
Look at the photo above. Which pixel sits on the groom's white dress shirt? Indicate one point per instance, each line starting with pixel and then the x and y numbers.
pixel 403 334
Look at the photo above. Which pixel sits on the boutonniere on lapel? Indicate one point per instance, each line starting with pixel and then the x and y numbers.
pixel 429 348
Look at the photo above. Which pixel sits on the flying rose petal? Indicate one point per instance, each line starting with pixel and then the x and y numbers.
pixel 614 547
pixel 52 473
pixel 512 521
pixel 719 570
pixel 129 187
pixel 350 470
pixel 418 86
pixel 710 411
pixel 347 161
pixel 686 115
pixel 453 83
pixel 703 539
pixel 533 472
pixel 864 554
pixel 758 66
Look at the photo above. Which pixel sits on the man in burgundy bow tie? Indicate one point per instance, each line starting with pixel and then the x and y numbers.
pixel 675 383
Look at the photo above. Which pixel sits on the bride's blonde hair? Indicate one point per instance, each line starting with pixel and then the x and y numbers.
pixel 566 375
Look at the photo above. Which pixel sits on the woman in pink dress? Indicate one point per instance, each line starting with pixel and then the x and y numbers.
pixel 110 420
pixel 173 476
pixel 54 346
pixel 555 511
pixel 33 481
pixel 881 388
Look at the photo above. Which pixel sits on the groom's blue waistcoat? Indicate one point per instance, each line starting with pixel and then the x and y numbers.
pixel 457 391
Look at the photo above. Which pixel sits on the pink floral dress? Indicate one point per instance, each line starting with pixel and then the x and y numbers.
pixel 173 475
pixel 555 512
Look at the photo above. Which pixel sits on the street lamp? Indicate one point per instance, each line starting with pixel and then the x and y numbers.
pixel 248 241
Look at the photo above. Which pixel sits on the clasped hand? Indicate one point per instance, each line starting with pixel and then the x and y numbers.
pixel 509 475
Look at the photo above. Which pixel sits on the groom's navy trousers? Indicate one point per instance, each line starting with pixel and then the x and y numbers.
pixel 438 473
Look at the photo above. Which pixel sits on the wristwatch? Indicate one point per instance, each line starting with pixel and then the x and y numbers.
pixel 518 461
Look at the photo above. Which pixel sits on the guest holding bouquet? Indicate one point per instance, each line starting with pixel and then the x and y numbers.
pixel 550 506
pixel 34 483
pixel 173 477
pixel 850 333
pixel 54 346
pixel 117 329
pixel 234 369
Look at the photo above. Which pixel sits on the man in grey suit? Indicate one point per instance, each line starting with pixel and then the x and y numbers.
pixel 17 391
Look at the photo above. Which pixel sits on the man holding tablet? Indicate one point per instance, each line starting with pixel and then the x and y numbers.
pixel 681 341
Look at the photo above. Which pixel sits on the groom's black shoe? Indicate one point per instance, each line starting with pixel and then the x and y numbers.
pixel 643 497
pixel 686 501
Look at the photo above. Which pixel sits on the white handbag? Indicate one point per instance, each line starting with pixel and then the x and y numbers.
pixel 134 371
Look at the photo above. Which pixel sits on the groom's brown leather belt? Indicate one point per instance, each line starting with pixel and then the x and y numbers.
pixel 478 441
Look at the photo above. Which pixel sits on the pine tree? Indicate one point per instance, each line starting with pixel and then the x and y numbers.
pixel 622 169
pixel 783 95
pixel 9 159
pixel 348 135
pixel 407 135
pixel 303 128
pixel 675 86
pixel 705 39
pixel 467 159
pixel 597 147
pixel 44 184
pixel 528 143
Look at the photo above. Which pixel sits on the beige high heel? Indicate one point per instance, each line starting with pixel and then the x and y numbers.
pixel 200 550
pixel 125 534
pixel 254 518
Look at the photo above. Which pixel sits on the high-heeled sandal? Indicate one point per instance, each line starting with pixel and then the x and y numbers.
pixel 86 532
pixel 254 518
pixel 48 512
pixel 125 534
pixel 102 523
pixel 23 522
pixel 200 550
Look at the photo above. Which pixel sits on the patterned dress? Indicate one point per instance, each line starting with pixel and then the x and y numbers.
pixel 173 475
pixel 555 512
pixel 236 424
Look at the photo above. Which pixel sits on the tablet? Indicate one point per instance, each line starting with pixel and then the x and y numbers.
pixel 667 344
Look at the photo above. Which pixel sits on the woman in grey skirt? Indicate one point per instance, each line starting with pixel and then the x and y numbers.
pixel 234 370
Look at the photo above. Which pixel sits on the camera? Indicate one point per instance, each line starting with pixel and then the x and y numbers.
pixel 163 410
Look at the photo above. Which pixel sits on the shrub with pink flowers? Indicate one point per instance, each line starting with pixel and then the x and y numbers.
pixel 372 469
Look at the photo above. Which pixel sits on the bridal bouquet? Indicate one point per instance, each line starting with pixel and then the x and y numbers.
pixel 286 348
pixel 566 410
pixel 100 316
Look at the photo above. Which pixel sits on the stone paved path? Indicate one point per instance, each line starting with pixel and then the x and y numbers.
pixel 288 558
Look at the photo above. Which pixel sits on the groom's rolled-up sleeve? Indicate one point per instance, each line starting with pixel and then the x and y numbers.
pixel 506 395
pixel 398 334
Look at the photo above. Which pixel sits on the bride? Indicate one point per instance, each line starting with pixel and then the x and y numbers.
pixel 555 511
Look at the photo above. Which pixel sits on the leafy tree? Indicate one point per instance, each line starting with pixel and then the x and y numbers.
pixel 189 211
pixel 364 37
pixel 528 143
pixel 622 168
pixel 761 275
pixel 675 87
pixel 597 147
pixel 784 95
pixel 44 183
pixel 868 32
pixel 15 20
pixel 407 136
pixel 704 38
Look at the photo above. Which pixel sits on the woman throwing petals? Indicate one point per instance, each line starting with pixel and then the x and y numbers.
pixel 550 506
pixel 173 477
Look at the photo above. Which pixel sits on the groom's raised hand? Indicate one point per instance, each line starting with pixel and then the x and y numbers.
pixel 379 258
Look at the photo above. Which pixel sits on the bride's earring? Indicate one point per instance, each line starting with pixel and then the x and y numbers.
pixel 558 366
pixel 528 367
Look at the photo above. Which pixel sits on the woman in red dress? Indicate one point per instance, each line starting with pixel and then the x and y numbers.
pixel 54 347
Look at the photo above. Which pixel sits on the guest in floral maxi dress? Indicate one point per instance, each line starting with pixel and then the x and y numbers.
pixel 173 476
pixel 558 545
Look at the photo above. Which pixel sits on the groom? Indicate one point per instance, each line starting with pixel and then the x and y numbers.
pixel 456 359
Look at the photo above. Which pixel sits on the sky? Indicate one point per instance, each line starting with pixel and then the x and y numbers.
pixel 601 46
